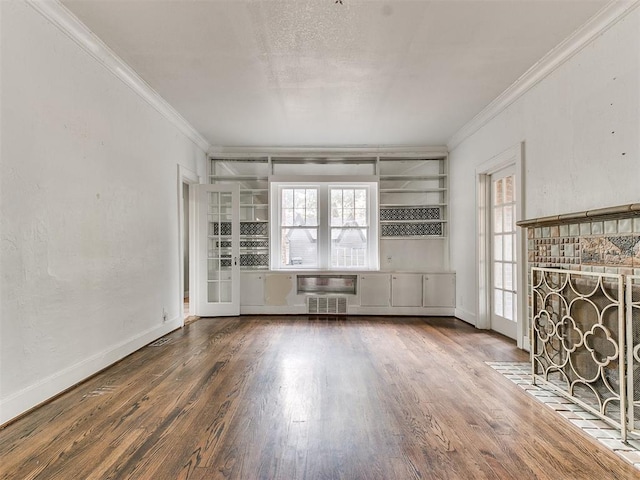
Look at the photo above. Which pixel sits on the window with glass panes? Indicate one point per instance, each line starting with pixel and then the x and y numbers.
pixel 299 227
pixel 324 225
pixel 504 247
pixel 349 227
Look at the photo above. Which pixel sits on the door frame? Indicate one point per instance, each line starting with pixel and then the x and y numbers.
pixel 512 156
pixel 190 178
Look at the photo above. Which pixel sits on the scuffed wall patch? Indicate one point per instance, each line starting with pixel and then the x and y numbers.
pixel 277 288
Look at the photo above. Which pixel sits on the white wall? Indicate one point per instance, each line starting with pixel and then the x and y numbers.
pixel 581 129
pixel 89 204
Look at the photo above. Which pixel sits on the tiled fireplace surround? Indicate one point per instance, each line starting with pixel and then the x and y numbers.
pixel 607 241
pixel 602 241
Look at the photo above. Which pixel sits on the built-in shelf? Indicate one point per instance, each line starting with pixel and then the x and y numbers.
pixel 413 194
pixel 252 176
pixel 411 177
pixel 412 190
pixel 238 178
pixel 413 197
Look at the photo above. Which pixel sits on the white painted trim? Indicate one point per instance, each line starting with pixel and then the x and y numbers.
pixel 465 315
pixel 607 17
pixel 400 311
pixel 72 27
pixel 355 151
pixel 512 156
pixel 46 388
pixel 351 310
pixel 191 178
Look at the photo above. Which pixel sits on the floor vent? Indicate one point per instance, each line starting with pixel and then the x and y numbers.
pixel 327 305
pixel 160 342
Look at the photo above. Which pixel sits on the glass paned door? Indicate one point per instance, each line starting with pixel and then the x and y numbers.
pixel 503 252
pixel 218 251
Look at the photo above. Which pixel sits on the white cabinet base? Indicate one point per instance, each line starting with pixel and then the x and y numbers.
pixel 378 293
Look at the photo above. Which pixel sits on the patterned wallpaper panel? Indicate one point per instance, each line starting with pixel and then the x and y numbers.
pixel 254 228
pixel 411 229
pixel 250 260
pixel 223 228
pixel 245 244
pixel 404 213
pixel 246 228
pixel 254 260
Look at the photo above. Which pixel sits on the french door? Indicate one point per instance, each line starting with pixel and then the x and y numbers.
pixel 504 296
pixel 218 248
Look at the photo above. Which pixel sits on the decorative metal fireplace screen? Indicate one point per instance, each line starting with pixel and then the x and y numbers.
pixel 633 351
pixel 578 333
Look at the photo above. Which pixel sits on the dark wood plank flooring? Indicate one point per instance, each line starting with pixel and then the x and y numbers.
pixel 302 398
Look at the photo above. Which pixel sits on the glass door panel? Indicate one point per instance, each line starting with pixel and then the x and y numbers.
pixel 503 261
pixel 218 247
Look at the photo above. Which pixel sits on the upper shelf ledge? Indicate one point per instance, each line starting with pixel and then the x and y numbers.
pixel 632 209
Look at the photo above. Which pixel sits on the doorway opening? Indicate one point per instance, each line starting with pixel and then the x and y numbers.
pixel 186 258
pixel 185 250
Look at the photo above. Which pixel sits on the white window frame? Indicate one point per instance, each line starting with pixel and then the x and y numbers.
pixel 324 229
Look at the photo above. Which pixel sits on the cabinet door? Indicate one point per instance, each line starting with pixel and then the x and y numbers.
pixel 277 288
pixel 375 290
pixel 439 290
pixel 406 290
pixel 252 289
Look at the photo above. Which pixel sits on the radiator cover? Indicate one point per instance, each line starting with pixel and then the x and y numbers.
pixel 326 305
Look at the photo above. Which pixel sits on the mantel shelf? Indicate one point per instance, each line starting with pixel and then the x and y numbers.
pixel 632 209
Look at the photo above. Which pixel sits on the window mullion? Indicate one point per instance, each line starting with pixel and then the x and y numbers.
pixel 324 243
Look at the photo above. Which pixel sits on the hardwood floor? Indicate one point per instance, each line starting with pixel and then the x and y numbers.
pixel 297 398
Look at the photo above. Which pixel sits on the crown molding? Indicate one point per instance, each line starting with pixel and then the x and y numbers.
pixel 607 17
pixel 347 151
pixel 72 27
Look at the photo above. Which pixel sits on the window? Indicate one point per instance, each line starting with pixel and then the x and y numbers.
pixel 349 227
pixel 299 227
pixel 324 225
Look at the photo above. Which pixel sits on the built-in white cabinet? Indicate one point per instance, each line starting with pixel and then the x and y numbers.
pixel 375 290
pixel 439 290
pixel 252 289
pixel 374 293
pixel 406 290
pixel 279 288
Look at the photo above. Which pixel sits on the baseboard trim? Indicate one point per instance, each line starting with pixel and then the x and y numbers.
pixel 466 316
pixel 22 401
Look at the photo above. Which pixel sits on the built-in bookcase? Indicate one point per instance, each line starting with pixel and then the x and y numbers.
pixel 413 194
pixel 413 197
pixel 252 174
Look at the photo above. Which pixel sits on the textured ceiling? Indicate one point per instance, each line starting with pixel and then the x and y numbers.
pixel 317 73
